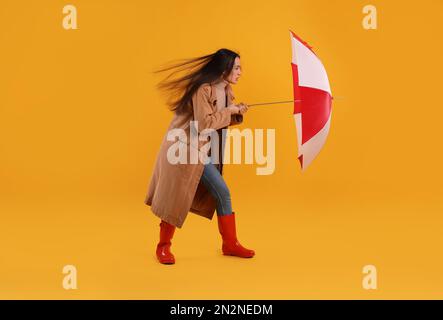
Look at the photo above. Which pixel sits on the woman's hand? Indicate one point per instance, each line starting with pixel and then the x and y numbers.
pixel 234 109
pixel 241 108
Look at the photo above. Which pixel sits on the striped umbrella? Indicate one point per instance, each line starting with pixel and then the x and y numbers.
pixel 312 100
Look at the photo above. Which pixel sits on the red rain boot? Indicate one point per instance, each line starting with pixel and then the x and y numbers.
pixel 231 246
pixel 163 252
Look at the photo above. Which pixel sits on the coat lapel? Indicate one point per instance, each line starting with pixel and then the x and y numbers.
pixel 229 93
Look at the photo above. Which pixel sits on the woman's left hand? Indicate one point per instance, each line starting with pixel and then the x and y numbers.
pixel 243 107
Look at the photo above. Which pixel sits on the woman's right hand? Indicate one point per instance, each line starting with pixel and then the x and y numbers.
pixel 234 109
pixel 240 108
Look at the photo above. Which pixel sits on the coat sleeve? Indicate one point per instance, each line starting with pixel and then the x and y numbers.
pixel 205 114
pixel 236 119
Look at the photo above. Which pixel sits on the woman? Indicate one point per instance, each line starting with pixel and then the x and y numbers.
pixel 177 187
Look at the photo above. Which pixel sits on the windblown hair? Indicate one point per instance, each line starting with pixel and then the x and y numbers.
pixel 205 69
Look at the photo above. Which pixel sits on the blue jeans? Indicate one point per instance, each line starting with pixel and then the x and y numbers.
pixel 216 185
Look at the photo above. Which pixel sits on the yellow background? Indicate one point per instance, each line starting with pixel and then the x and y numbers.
pixel 81 123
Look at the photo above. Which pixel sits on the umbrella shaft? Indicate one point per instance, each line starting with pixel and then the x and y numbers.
pixel 260 104
pixel 298 100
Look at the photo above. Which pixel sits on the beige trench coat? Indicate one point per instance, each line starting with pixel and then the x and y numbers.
pixel 175 189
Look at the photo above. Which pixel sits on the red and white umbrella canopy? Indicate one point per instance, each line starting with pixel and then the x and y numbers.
pixel 313 101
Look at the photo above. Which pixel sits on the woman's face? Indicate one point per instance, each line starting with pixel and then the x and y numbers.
pixel 235 72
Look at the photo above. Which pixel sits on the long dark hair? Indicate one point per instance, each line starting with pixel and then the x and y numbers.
pixel 204 69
